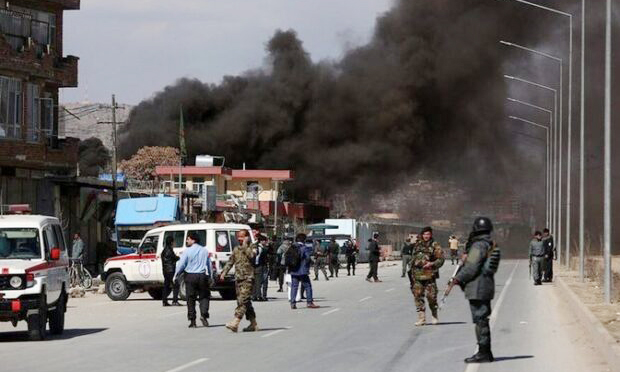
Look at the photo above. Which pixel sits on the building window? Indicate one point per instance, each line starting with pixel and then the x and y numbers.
pixel 39 114
pixel 19 24
pixel 10 108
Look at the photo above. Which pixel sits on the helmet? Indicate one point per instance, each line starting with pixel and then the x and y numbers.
pixel 482 224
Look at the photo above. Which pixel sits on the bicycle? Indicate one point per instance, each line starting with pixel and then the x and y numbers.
pixel 79 275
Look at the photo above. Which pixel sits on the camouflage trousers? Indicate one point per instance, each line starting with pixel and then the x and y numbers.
pixel 244 299
pixel 420 287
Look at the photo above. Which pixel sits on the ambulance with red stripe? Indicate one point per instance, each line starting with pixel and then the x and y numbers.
pixel 34 273
pixel 143 270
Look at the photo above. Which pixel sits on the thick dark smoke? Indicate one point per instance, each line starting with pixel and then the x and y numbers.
pixel 426 93
pixel 94 157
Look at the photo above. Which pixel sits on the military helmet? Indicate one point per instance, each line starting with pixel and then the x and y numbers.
pixel 482 224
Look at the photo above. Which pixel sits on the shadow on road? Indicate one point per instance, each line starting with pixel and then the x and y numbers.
pixel 449 323
pixel 516 357
pixel 66 335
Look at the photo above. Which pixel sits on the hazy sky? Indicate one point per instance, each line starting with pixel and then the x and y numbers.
pixel 134 48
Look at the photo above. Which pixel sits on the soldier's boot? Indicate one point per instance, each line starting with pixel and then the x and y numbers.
pixel 192 323
pixel 435 318
pixel 484 355
pixel 253 327
pixel 233 325
pixel 421 319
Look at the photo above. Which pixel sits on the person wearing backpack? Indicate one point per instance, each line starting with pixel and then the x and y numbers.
pixel 297 260
pixel 476 278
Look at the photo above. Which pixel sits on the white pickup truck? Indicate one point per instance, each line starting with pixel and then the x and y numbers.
pixel 143 269
pixel 34 273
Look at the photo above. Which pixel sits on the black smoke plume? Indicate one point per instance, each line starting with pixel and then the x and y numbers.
pixel 426 93
pixel 94 157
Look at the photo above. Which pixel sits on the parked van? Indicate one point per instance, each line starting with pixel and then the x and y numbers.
pixel 34 273
pixel 143 269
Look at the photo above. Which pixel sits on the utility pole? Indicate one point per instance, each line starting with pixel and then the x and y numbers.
pixel 114 147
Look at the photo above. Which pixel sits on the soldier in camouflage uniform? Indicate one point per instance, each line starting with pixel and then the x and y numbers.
pixel 426 260
pixel 242 258
pixel 320 255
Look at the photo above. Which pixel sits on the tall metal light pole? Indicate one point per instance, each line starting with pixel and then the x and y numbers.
pixel 555 105
pixel 551 124
pixel 569 134
pixel 554 134
pixel 582 157
pixel 548 154
pixel 607 151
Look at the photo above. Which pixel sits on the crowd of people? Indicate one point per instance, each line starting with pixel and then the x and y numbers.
pixel 542 253
pixel 293 259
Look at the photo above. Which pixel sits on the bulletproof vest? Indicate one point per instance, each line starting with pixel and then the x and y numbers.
pixel 493 257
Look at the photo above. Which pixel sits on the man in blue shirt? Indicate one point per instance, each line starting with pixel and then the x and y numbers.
pixel 301 274
pixel 196 264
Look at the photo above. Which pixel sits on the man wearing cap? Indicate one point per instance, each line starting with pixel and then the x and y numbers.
pixel 426 260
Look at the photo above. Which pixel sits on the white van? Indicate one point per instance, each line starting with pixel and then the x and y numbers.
pixel 34 273
pixel 143 269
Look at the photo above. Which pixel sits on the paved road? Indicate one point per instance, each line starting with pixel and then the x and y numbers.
pixel 361 326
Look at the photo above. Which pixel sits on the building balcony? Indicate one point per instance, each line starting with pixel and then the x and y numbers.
pixel 36 61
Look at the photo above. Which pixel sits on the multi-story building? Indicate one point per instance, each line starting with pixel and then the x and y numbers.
pixel 32 69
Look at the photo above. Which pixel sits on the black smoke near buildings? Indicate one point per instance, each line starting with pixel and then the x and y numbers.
pixel 426 93
pixel 93 157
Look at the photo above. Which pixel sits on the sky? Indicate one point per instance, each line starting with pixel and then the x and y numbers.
pixel 135 48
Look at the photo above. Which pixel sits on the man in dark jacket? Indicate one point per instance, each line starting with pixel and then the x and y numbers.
pixel 168 263
pixel 261 270
pixel 334 250
pixel 374 255
pixel 301 274
pixel 405 254
pixel 547 240
pixel 350 252
pixel 478 282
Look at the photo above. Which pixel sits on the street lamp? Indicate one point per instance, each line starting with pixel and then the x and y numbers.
pixel 548 157
pixel 556 212
pixel 570 115
pixel 551 125
pixel 555 100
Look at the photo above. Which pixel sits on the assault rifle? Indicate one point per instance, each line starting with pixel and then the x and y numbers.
pixel 451 283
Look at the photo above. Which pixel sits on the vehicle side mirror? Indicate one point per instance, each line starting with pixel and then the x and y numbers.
pixel 55 254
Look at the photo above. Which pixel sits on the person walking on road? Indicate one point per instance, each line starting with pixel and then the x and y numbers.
pixel 454 249
pixel 196 264
pixel 261 270
pixel 281 264
pixel 406 256
pixel 350 252
pixel 298 256
pixel 426 261
pixel 476 278
pixel 547 240
pixel 168 264
pixel 320 255
pixel 537 257
pixel 333 252
pixel 242 259
pixel 374 255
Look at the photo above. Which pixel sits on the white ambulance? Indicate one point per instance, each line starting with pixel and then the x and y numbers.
pixel 34 273
pixel 143 269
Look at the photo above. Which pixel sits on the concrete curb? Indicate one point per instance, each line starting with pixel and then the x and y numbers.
pixel 602 339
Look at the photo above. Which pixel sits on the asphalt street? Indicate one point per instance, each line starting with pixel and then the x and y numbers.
pixel 360 326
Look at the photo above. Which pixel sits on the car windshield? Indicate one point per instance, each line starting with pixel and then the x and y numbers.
pixel 19 243
pixel 149 244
